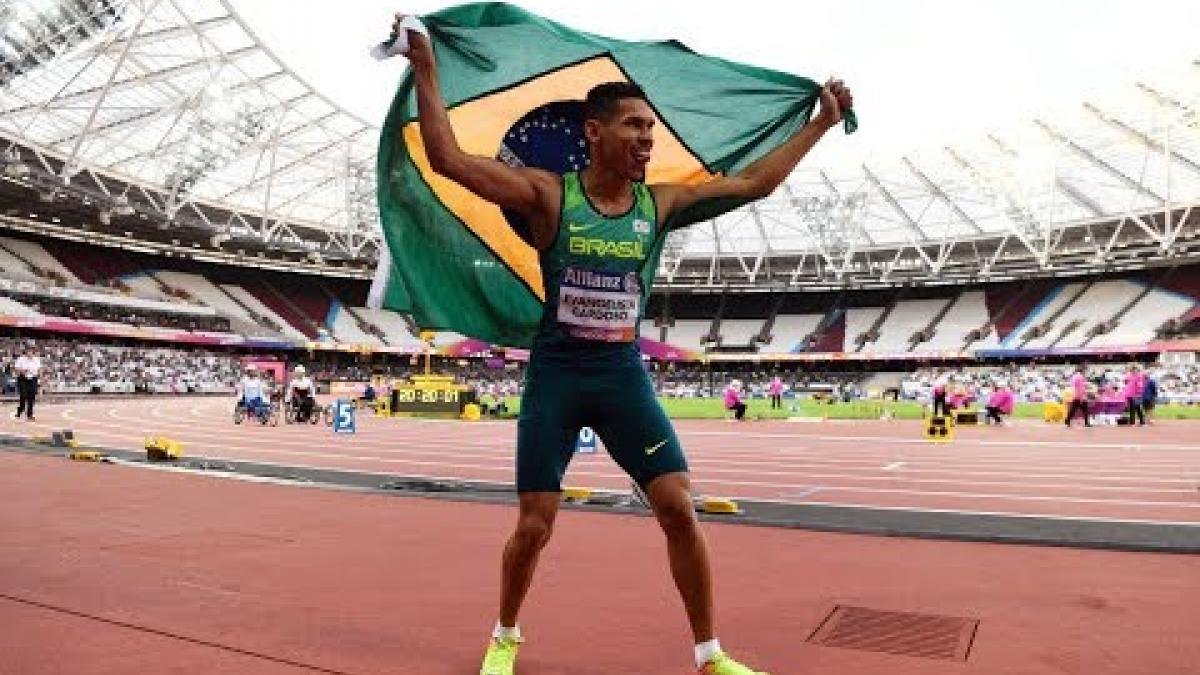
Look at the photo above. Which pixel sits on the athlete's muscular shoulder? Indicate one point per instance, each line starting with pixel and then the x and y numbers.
pixel 543 218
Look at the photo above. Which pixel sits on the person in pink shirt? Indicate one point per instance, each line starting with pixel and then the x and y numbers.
pixel 1135 386
pixel 776 391
pixel 1079 398
pixel 999 403
pixel 733 400
pixel 939 394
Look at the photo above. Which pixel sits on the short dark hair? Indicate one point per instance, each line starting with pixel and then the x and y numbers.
pixel 603 99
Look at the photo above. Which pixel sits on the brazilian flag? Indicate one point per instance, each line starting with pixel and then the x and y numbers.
pixel 514 84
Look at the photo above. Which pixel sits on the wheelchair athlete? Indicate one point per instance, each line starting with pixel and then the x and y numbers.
pixel 252 394
pixel 300 396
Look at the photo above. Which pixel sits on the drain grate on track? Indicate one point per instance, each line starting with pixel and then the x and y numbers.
pixel 925 635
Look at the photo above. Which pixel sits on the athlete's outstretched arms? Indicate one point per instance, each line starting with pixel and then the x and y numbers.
pixel 533 193
pixel 762 177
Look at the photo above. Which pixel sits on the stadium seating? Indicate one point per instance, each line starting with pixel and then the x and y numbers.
pixel 1010 304
pixel 649 330
pixel 254 305
pixel 39 258
pixel 282 308
pixel 968 313
pixel 396 332
pixel 1043 317
pixel 906 318
pixel 1100 303
pixel 203 290
pixel 142 284
pixel 1139 324
pixel 739 332
pixel 790 330
pixel 344 328
pixel 14 267
pixel 91 264
pixel 833 338
pixel 10 307
pixel 688 333
pixel 858 321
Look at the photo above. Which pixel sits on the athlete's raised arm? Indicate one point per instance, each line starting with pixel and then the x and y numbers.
pixel 533 193
pixel 762 177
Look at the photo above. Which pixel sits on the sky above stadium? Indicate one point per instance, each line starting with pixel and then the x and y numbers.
pixel 925 72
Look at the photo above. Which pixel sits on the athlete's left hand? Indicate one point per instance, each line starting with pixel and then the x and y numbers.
pixel 836 99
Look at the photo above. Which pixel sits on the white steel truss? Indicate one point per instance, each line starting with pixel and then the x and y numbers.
pixel 174 106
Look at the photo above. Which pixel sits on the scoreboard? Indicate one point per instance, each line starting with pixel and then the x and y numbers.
pixel 430 394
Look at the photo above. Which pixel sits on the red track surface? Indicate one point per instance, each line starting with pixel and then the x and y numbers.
pixel 109 570
pixel 1148 474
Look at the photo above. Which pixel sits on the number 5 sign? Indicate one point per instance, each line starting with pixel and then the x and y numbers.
pixel 343 417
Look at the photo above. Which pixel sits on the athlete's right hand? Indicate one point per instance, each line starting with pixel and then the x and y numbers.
pixel 420 52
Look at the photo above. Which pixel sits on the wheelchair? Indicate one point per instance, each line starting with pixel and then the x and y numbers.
pixel 293 414
pixel 266 414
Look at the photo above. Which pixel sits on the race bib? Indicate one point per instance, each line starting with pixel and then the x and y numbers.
pixel 599 305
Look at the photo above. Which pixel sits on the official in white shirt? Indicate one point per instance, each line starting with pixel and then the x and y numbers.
pixel 28 367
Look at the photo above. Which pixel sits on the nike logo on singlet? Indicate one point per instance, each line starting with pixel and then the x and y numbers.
pixel 654 448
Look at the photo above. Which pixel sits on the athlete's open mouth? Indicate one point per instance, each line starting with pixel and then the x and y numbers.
pixel 641 156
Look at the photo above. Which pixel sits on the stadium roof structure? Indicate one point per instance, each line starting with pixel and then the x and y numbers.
pixel 170 120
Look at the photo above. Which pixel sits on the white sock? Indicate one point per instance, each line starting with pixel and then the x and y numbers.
pixel 705 651
pixel 500 632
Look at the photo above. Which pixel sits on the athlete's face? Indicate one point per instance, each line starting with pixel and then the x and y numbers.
pixel 623 142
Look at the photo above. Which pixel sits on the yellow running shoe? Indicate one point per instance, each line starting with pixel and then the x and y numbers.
pixel 721 664
pixel 501 656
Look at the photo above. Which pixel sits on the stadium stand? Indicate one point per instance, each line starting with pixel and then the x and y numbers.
pixel 39 259
pixel 14 267
pixel 968 312
pixel 906 318
pixel 790 331
pixel 283 308
pixel 1038 328
pixel 689 333
pixel 253 305
pixel 14 308
pixel 396 331
pixel 739 332
pixel 345 328
pixel 859 321
pixel 1142 321
pixel 1009 304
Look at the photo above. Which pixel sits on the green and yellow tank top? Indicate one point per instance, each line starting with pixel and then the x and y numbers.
pixel 598 273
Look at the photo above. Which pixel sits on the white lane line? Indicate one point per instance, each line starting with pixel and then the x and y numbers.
pixel 391 439
pixel 700 479
pixel 893 466
pixel 505 462
pixel 958 441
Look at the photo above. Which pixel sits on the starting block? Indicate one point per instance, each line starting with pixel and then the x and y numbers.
pixel 939 429
pixel 578 495
pixel 718 505
pixel 966 417
pixel 161 448
pixel 86 456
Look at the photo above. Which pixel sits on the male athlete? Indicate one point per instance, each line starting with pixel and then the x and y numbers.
pixel 595 231
pixel 252 391
pixel 300 394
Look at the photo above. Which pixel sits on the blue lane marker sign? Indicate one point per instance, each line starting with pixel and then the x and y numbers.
pixel 343 417
pixel 586 443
